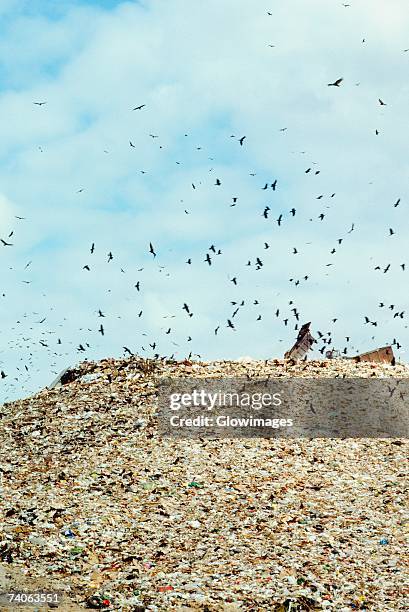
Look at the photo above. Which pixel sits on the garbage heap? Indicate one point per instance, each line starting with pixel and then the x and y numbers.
pixel 96 505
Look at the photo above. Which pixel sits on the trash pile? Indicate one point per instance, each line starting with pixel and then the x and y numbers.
pixel 93 501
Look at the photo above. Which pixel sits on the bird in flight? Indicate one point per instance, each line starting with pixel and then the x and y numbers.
pixel 4 243
pixel 151 249
pixel 381 102
pixel 242 140
pixel 336 83
pixel 39 103
pixel 139 107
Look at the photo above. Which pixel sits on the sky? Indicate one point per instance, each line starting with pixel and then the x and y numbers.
pixel 85 168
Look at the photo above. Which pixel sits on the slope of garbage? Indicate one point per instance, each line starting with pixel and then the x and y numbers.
pixel 95 502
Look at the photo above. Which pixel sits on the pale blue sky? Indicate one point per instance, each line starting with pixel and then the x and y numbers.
pixel 205 70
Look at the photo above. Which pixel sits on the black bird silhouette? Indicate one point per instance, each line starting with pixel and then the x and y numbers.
pixel 86 267
pixel 101 329
pixel 110 256
pixel 139 107
pixel 396 203
pixel 279 219
pixel 242 140
pixel 126 349
pixel 39 103
pixel 274 185
pixel 230 324
pixel 92 248
pixel 217 182
pixel 336 83
pixel 4 243
pixel 131 144
pixel 208 259
pixel 391 232
pixel 381 102
pixel 151 249
pixel 100 314
pixel 293 211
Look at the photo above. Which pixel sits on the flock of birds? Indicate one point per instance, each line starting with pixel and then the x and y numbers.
pixel 289 317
